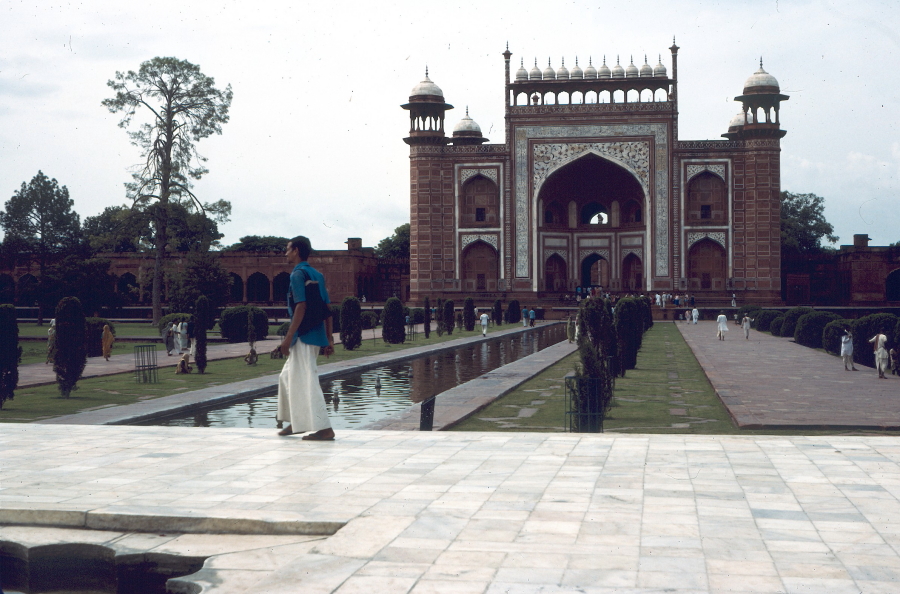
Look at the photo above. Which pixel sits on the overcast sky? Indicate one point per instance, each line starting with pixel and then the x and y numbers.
pixel 314 145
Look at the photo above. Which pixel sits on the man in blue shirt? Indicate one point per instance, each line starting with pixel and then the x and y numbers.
pixel 524 317
pixel 531 316
pixel 300 398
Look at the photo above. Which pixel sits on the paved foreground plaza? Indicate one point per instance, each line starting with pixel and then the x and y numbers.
pixel 469 512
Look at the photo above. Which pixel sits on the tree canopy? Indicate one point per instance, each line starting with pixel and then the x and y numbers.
pixel 258 243
pixel 803 224
pixel 180 106
pixel 395 246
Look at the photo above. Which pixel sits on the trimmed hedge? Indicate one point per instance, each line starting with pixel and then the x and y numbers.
pixel 351 331
pixel 166 321
pixel 832 333
pixel 789 326
pixel 775 326
pixel 749 310
pixel 865 328
pixel 468 314
pixel 513 312
pixel 69 355
pixel 764 319
pixel 448 317
pixel 10 352
pixel 204 315
pixel 629 324
pixel 393 330
pixel 335 317
pixel 497 313
pixel 369 320
pixel 234 323
pixel 417 315
pixel 810 327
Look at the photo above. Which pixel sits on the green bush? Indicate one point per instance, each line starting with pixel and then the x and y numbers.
pixel 393 330
pixel 203 315
pixel 789 326
pixel 93 335
pixel 439 317
pixel 468 314
pixel 513 312
pixel 351 330
pixel 283 329
pixel 647 311
pixel 597 350
pixel 167 320
pixel 764 319
pixel 497 313
pixel 234 323
pixel 750 310
pixel 629 328
pixel 10 352
pixel 832 333
pixel 449 321
pixel 427 320
pixel 810 327
pixel 335 317
pixel 369 320
pixel 865 328
pixel 69 355
pixel 775 326
pixel 417 314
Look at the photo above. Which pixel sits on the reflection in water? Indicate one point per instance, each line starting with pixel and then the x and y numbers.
pixel 357 399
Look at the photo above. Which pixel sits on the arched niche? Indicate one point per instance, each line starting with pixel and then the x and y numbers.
pixel 556 277
pixel 707 200
pixel 892 286
pixel 554 215
pixel 594 213
pixel 632 214
pixel 281 284
pixel 237 288
pixel 632 273
pixel 480 267
pixel 258 288
pixel 479 203
pixel 595 271
pixel 127 286
pixel 707 266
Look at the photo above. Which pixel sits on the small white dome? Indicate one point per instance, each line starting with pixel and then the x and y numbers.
pixel 426 87
pixel 467 124
pixel 576 72
pixel 646 69
pixel 617 70
pixel 632 70
pixel 759 80
pixel 521 73
pixel 659 69
pixel 549 72
pixel 738 120
pixel 603 72
pixel 535 73
pixel 590 71
pixel 562 73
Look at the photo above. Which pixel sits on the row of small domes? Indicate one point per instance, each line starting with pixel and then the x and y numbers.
pixel 617 71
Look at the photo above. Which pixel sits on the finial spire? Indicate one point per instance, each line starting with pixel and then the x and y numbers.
pixel 760 62
pixel 564 61
pixel 426 70
pixel 467 111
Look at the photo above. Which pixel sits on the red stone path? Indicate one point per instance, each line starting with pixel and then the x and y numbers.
pixel 772 382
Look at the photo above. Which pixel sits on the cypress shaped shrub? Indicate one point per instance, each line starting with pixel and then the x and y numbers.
pixel 469 314
pixel 202 313
pixel 497 313
pixel 865 328
pixel 351 329
pixel 647 308
pixel 417 315
pixel 69 355
pixel 335 317
pixel 427 321
pixel 93 335
pixel 393 330
pixel 629 327
pixel 764 319
pixel 251 328
pixel 439 317
pixel 234 323
pixel 10 352
pixel 832 333
pixel 789 326
pixel 513 312
pixel 594 377
pixel 775 326
pixel 811 326
pixel 449 322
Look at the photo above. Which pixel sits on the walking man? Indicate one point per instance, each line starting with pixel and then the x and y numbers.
pixel 721 326
pixel 484 323
pixel 695 314
pixel 531 317
pixel 882 360
pixel 745 324
pixel 524 317
pixel 300 398
pixel 847 350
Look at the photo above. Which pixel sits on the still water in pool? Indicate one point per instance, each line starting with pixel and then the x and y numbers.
pixel 357 399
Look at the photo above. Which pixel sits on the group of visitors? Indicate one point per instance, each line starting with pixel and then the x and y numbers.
pixel 662 299
pixel 528 317
pixel 106 341
pixel 886 360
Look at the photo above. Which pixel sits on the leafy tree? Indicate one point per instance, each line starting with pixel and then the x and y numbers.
pixel 203 274
pixel 202 321
pixel 351 323
pixel 449 321
pixel 393 330
pixel 497 312
pixel 803 224
pixel 257 243
pixel 193 231
pixel 87 279
pixel 117 229
pixel 469 314
pixel 182 106
pixel 395 246
pixel 427 318
pixel 10 353
pixel 40 225
pixel 69 353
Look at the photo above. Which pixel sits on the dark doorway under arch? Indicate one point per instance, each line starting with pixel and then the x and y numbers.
pixel 281 284
pixel 892 286
pixel 258 287
pixel 237 288
pixel 632 273
pixel 480 267
pixel 595 271
pixel 556 276
pixel 706 266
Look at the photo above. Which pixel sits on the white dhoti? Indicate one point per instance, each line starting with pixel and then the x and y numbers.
pixel 300 398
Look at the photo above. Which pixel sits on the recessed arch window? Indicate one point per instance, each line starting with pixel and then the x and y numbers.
pixel 480 203
pixel 707 202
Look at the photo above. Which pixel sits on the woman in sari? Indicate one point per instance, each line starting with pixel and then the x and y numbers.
pixel 108 339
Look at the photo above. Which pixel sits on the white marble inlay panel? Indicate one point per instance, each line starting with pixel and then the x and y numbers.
pixel 585 253
pixel 490 239
pixel 695 236
pixel 718 169
pixel 465 174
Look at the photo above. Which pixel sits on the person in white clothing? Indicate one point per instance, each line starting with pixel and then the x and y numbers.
pixel 745 324
pixel 721 326
pixel 847 350
pixel 484 323
pixel 695 314
pixel 882 360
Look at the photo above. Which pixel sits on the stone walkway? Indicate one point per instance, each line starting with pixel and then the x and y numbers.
pixel 772 382
pixel 469 512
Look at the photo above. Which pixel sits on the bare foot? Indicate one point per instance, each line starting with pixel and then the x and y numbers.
pixel 323 435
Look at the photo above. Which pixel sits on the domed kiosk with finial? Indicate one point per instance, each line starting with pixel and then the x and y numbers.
pixel 467 131
pixel 426 113
pixel 761 102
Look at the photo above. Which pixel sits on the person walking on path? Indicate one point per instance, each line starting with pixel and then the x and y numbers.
pixel 300 397
pixel 721 326
pixel 107 341
pixel 733 300
pixel 531 317
pixel 170 338
pixel 882 360
pixel 695 314
pixel 51 340
pixel 484 323
pixel 847 350
pixel 745 324
pixel 524 317
pixel 570 328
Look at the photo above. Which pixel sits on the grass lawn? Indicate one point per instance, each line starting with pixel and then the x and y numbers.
pixel 667 393
pixel 41 402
